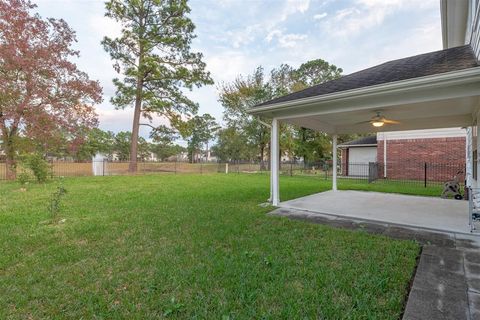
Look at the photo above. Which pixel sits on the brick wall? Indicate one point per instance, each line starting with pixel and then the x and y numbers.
pixel 344 162
pixel 406 158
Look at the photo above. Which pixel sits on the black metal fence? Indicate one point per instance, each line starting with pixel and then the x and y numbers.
pixel 407 172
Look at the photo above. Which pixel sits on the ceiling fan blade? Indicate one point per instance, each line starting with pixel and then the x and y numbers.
pixel 389 121
pixel 364 122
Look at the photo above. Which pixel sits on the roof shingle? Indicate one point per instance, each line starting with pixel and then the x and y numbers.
pixel 452 59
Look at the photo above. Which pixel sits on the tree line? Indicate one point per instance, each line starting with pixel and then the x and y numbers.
pixel 47 105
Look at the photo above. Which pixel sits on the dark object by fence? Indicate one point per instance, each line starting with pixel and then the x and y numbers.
pixel 372 171
pixel 452 187
pixel 425 175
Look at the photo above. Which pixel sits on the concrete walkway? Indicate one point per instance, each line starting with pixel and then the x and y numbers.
pixel 425 212
pixel 447 280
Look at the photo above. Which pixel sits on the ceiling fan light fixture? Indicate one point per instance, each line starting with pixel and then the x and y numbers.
pixel 378 123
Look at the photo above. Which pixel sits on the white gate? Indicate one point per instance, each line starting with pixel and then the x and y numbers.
pixel 98 165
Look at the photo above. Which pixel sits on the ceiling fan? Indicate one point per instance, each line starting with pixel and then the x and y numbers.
pixel 379 120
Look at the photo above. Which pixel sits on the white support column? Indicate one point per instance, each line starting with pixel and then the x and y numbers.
pixel 274 163
pixel 469 157
pixel 334 155
pixel 477 185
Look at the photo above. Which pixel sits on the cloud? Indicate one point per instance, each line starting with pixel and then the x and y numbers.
pixel 294 6
pixel 289 40
pixel 320 16
pixel 242 37
pixel 365 14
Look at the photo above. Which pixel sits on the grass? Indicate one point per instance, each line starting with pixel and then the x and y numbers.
pixel 189 246
pixel 390 186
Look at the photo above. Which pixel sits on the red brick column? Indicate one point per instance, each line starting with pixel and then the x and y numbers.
pixel 344 161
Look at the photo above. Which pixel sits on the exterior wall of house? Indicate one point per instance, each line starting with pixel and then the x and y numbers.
pixel 473 26
pixel 461 23
pixel 406 158
pixel 407 152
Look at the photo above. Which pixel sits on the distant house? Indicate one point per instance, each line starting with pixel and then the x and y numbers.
pixel 357 154
pixel 405 152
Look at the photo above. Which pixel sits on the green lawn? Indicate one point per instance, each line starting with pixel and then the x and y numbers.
pixel 189 246
pixel 395 186
pixel 409 187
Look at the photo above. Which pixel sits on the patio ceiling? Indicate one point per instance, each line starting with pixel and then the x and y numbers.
pixel 433 114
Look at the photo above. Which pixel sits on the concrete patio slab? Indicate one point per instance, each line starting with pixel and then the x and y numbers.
pixel 405 210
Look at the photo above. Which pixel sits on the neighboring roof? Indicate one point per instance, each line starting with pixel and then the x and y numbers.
pixel 453 59
pixel 362 142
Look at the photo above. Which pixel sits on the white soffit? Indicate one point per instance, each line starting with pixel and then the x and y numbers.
pixel 448 113
pixel 423 134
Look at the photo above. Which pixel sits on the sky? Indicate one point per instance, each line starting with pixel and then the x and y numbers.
pixel 236 36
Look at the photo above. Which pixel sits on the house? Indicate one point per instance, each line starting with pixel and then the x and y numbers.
pixel 406 153
pixel 434 90
pixel 356 156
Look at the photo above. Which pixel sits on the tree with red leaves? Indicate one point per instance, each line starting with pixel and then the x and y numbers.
pixel 42 93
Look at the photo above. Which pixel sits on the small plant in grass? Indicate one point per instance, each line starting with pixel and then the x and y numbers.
pixel 175 307
pixel 38 165
pixel 23 178
pixel 55 203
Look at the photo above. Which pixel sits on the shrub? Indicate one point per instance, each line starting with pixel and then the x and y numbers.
pixel 55 202
pixel 23 178
pixel 38 165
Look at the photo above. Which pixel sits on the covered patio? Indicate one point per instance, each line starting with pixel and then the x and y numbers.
pixel 405 210
pixel 434 90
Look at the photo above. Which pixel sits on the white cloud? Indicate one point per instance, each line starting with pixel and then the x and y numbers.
pixel 289 40
pixel 320 16
pixel 294 6
pixel 243 37
pixel 365 14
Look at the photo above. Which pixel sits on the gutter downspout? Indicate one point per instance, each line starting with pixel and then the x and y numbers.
pixel 334 164
pixel 264 123
pixel 384 155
